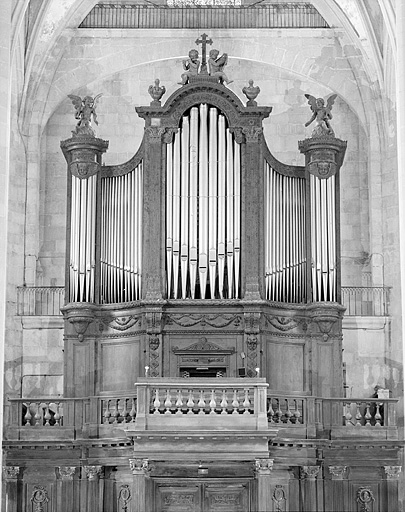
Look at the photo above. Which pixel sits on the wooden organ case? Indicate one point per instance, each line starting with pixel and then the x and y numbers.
pixel 203 257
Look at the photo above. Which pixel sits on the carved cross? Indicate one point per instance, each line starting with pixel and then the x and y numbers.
pixel 204 41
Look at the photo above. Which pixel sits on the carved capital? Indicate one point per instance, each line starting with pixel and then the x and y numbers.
pixel 252 133
pixel 392 472
pixel 93 472
pixel 337 472
pixel 80 316
pixel 11 472
pixel 309 472
pixel 263 466
pixel 168 135
pixel 66 472
pixel 139 466
pixel 39 498
pixel 155 133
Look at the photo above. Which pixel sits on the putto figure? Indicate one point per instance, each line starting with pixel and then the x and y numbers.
pixel 85 111
pixel 322 115
pixel 191 67
pixel 216 66
pixel 156 91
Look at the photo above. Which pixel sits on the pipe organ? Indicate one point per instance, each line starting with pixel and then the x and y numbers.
pixel 237 222
pixel 203 208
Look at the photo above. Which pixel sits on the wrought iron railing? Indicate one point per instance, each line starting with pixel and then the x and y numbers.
pixel 366 300
pixel 40 300
pixel 194 15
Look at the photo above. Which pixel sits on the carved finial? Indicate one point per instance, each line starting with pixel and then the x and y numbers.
pixel 322 115
pixel 156 91
pixel 85 111
pixel 251 92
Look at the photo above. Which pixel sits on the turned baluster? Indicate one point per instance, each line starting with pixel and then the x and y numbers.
pixel 213 402
pixel 288 413
pixel 358 415
pixel 156 402
pixel 201 402
pixel 270 412
pixel 297 414
pixel 279 413
pixel 47 416
pixel 107 412
pixel 348 415
pixel 246 402
pixel 190 402
pixel 57 414
pixel 168 402
pixel 28 416
pixel 37 415
pixel 224 402
pixel 132 412
pixel 235 402
pixel 179 402
pixel 116 411
pixel 368 416
pixel 377 416
pixel 124 413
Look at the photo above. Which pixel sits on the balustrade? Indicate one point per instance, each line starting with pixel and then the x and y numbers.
pixel 170 402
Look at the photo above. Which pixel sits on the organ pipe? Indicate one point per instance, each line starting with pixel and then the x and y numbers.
pixel 121 237
pixel 285 238
pixel 203 208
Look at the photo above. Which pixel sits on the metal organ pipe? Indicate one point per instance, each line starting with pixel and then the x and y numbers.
pixel 206 212
pixel 285 242
pixel 121 237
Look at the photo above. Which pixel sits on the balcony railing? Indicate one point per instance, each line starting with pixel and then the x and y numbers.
pixel 40 300
pixel 366 300
pixel 47 300
pixel 165 405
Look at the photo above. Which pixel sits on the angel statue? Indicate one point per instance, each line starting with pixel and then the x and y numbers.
pixel 85 109
pixel 216 65
pixel 322 115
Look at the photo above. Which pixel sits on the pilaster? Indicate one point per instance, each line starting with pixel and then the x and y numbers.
pixel 11 494
pixel 263 468
pixel 140 470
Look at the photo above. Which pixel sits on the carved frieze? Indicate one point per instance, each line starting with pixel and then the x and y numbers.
pixel 286 323
pixel 202 320
pixel 179 499
pixel 120 323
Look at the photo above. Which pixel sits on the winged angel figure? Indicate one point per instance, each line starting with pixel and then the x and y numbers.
pixel 322 115
pixel 85 110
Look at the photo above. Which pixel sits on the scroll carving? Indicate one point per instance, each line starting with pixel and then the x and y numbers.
pixel 154 355
pixel 140 466
pixel 392 472
pixel 155 133
pixel 92 472
pixel 263 466
pixel 252 133
pixel 337 472
pixel 309 472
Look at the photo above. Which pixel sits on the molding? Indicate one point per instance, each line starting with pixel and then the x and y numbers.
pixel 365 322
pixel 42 322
